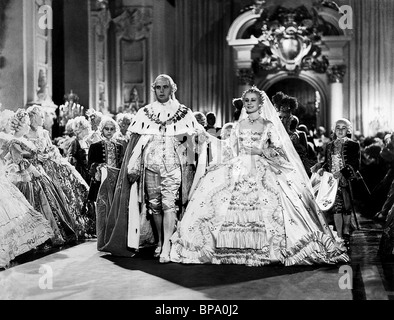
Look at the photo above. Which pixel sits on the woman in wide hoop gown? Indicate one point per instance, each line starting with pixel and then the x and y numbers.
pixel 60 171
pixel 40 191
pixel 21 227
pixel 255 206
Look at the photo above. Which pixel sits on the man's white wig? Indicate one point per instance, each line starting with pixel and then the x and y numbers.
pixel 173 85
pixel 347 122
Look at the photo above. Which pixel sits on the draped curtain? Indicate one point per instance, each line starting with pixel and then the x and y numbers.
pixel 372 66
pixel 205 72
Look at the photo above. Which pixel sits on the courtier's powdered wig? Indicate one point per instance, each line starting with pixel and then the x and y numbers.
pixel 94 114
pixel 347 122
pixel 105 120
pixel 80 123
pixel 69 127
pixel 120 117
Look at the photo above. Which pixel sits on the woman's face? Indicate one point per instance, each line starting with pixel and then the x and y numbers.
pixel 36 120
pixel 251 102
pixel 108 130
pixel 24 129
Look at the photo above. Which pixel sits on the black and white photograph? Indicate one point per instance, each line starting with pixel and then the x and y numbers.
pixel 197 157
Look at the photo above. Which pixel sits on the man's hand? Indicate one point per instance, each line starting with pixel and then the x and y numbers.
pixel 316 167
pixel 133 176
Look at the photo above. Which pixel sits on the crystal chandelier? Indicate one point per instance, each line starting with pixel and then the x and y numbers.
pixel 70 109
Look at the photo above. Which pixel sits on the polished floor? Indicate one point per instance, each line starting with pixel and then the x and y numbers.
pixel 81 272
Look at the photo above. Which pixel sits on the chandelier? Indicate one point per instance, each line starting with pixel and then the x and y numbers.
pixel 70 109
pixel 290 38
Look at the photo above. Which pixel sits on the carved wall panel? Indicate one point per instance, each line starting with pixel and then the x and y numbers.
pixel 133 71
pixel 133 43
pixel 98 36
pixel 42 44
pixel 119 57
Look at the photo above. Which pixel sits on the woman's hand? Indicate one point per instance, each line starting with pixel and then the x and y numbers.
pixel 133 175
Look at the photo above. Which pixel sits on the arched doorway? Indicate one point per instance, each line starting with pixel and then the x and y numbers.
pixel 305 94
pixel 254 66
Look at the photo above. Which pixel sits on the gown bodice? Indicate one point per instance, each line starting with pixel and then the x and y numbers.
pixel 40 142
pixel 249 138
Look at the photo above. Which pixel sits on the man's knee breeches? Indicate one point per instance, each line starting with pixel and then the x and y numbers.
pixel 343 200
pixel 162 189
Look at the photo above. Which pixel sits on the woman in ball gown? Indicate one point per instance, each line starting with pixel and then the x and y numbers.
pixel 40 191
pixel 256 207
pixel 62 173
pixel 21 227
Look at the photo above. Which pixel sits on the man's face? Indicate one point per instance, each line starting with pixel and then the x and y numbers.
pixel 341 129
pixel 109 130
pixel 94 121
pixel 285 118
pixel 124 125
pixel 162 90
pixel 37 120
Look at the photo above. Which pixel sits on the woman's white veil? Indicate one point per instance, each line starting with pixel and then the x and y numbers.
pixel 269 112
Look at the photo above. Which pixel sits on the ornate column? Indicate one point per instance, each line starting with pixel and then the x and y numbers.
pixel 99 20
pixel 335 76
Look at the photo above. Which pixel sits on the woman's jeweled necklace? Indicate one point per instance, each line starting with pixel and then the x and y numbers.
pixel 253 120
